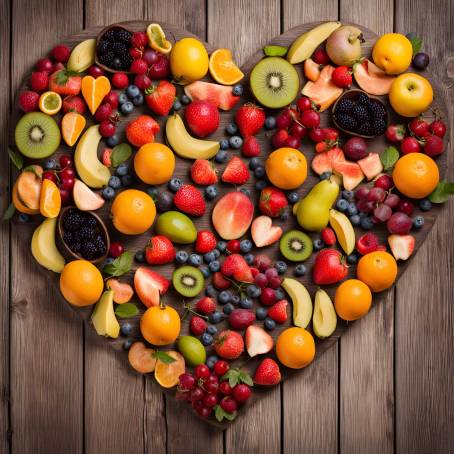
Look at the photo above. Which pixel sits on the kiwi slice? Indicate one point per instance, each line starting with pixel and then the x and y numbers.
pixel 295 246
pixel 37 135
pixel 274 82
pixel 188 281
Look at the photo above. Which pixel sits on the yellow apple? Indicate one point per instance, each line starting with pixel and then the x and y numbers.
pixel 393 53
pixel 410 94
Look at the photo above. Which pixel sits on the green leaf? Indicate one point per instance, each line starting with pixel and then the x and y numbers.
pixel 9 212
pixel 389 157
pixel 63 76
pixel 31 169
pixel 233 376
pixel 442 192
pixel 220 414
pixel 275 51
pixel 121 265
pixel 126 310
pixel 416 42
pixel 163 357
pixel 16 159
pixel 120 154
pixel 246 378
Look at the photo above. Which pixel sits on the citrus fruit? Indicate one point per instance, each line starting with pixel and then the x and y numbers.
pixel 167 374
pixel 49 199
pixel 133 212
pixel 295 348
pixel 19 205
pixel 393 53
pixel 154 163
pixel 352 300
pixel 157 39
pixel 160 325
pixel 286 168
pixel 188 60
pixel 378 270
pixel 81 283
pixel 223 68
pixel 416 175
pixel 192 349
pixel 50 103
pixel 141 358
pixel 94 91
pixel 72 125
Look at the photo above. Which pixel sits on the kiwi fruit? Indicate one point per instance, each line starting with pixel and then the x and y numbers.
pixel 188 281
pixel 274 82
pixel 37 135
pixel 295 246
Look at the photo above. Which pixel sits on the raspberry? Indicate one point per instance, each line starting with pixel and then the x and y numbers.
pixel 61 53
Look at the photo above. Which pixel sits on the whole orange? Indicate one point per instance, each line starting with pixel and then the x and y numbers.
pixel 416 175
pixel 81 283
pixel 154 163
pixel 160 325
pixel 378 270
pixel 286 168
pixel 295 348
pixel 133 212
pixel 352 300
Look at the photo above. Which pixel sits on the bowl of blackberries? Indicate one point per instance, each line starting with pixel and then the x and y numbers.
pixel 358 114
pixel 82 235
pixel 112 49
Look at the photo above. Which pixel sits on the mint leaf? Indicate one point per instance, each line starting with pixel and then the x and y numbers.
pixel 16 159
pixel 9 212
pixel 275 51
pixel 220 414
pixel 126 310
pixel 120 154
pixel 246 378
pixel 163 357
pixel 442 192
pixel 233 376
pixel 121 265
pixel 389 157
pixel 416 42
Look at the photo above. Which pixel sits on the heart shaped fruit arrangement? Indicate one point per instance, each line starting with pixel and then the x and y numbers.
pixel 220 310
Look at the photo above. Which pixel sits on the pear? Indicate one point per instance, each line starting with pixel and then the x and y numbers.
pixel 324 320
pixel 301 300
pixel 344 45
pixel 103 316
pixel 82 56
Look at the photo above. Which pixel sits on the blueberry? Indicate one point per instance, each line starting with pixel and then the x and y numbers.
pixel 122 98
pixel 341 205
pixel 206 339
pixel 293 197
pixel 126 329
pixel 261 313
pixel 221 156
pixel 114 182
pixel 215 317
pixel 246 191
pixel 132 91
pixel 352 259
pixel 351 209
pixel 205 271
pixel 224 297
pixel 127 180
pixel 195 260
pixel 214 266
pixel 231 129
pixel 425 204
pixel 259 172
pixel 181 257
pixel 269 324
pixel 221 246
pixel 325 176
pixel 211 291
pixel 152 192
pixel 228 309
pixel 139 256
pixel 245 246
pixel 113 140
pixel 174 184
pixel 318 244
pixel 236 142
pixel 300 270
pixel 164 201
pixel 348 195
pixel 211 361
pixel 355 220
pixel 235 300
pixel 280 266
pixel 260 185
pixel 108 261
pixel 24 218
pixel 237 90
pixel 285 215
pixel 50 164
pixel 418 222
pixel 108 193
pixel 254 163
pixel 224 144
pixel 279 294
pixel 177 105
pixel 249 258
pixel 209 257
pixel 246 302
pixel 366 223
pixel 270 122
pixel 127 107
pixel 122 170
pixel 211 329
pixel 211 192
pixel 127 344
pixel 216 253
pixel 138 100
pixel 253 291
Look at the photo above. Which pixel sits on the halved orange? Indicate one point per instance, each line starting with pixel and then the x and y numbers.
pixel 157 39
pixel 223 69
pixel 94 91
pixel 167 374
pixel 50 102
pixel 72 125
pixel 49 200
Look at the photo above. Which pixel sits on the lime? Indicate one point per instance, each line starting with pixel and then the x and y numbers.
pixel 192 349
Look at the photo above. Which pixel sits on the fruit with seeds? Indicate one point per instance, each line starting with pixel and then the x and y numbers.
pixel 39 81
pixel 28 101
pixel 160 325
pixel 235 266
pixel 267 373
pixel 395 133
pixel 74 104
pixel 236 172
pixel 343 46
pixel 355 148
pixel 85 199
pixel 167 373
pixel 203 172
pixel 49 199
pixel 371 165
pixel 177 227
pixel 206 241
pixel 263 232
pixel 286 168
pixel 371 78
pixel 324 319
pixel 27 190
pixel 329 267
pixel 149 285
pixel 251 147
pixel 159 251
pixel 223 69
pixel 192 349
pixel 295 246
pixel 188 281
pixel 189 200
pixel 103 317
pixel 82 56
pixel 402 246
pixel 295 348
pixel 142 130
pixel 249 119
pixel 301 300
pixel 219 95
pixel 433 146
pixel 142 359
pixel 352 300
pixel 272 202
pixel 344 230
pixel 342 77
pixel 160 97
pixel 278 312
pixel 229 344
pixel 323 92
pixel 258 341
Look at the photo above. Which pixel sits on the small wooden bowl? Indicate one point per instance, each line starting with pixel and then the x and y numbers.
pixel 353 94
pixel 64 248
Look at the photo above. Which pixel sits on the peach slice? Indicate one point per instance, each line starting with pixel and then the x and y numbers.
pixel 141 358
pixel 323 92
pixel 29 187
pixel 311 70
pixel 122 292
pixel 85 199
pixel 371 78
pixel 263 232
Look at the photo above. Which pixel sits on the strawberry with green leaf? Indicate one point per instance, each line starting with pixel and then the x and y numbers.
pixel 65 82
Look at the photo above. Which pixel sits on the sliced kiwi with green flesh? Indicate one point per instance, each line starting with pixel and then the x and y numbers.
pixel 295 246
pixel 37 135
pixel 274 82
pixel 188 281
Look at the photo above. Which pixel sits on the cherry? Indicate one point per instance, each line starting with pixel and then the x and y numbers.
pixel 187 381
pixel 120 80
pixel 64 196
pixel 204 411
pixel 434 146
pixel 303 104
pixel 419 127
pixel 279 138
pixel 271 272
pixel 310 119
pixel 112 99
pixel 438 128
pixel 229 405
pixel 385 182
pixel 293 142
pixel 197 405
pixel 225 388
pixel 67 183
pixel 210 400
pixel 106 128
pixel 67 172
pixel 261 280
pixel 44 64
pixel 317 134
pixel 221 367
pixel 139 66
pixel 116 249
pixel 135 53
pixel 268 296
pixel 95 71
pixel 275 282
pixel 202 371
pixel 52 176
pixel 283 121
pixel 241 393
pixel 395 133
pixel 406 207
pixel 103 112
pixel 410 145
pixel 142 81
pixel 320 56
pixel 211 384
pixel 150 56
pixel 197 394
pixel 233 246
pixel 65 161
pixel 298 131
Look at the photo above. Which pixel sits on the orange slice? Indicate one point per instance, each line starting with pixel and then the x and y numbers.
pixel 49 200
pixel 157 39
pixel 223 69
pixel 50 102
pixel 94 91
pixel 72 125
pixel 167 374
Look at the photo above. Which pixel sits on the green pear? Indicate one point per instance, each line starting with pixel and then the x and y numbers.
pixel 103 317
pixel 313 210
pixel 324 319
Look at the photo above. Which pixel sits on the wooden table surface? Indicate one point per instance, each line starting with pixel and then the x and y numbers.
pixel 387 386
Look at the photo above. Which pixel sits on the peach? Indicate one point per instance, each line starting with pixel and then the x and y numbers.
pixel 141 358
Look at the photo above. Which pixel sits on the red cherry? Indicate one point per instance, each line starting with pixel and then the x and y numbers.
pixel 310 119
pixel 419 127
pixel 135 53
pixel 406 207
pixel 279 138
pixel 67 172
pixel 67 183
pixel 202 371
pixel 233 246
pixel 187 381
pixel 120 80
pixel 112 99
pixel 64 196
pixel 211 384
pixel 298 131
pixel 210 400
pixel 150 56
pixel 437 127
pixel 116 249
pixel 225 388
pixel 95 71
pixel 44 64
pixel 221 367
pixel 434 146
pixel 103 112
pixel 268 296
pixel 229 405
pixel 320 56
pixel 142 81
pixel 204 411
pixel 197 394
pixel 317 134
pixel 410 145
pixel 283 121
pixel 241 393
pixel 385 182
pixel 106 128
pixel 293 142
pixel 65 161
pixel 52 176
pixel 304 104
pixel 139 66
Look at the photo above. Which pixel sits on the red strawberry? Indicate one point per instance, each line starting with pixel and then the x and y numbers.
pixel 202 118
pixel 402 246
pixel 149 285
pixel 106 157
pixel 65 82
pixel 229 344
pixel 159 251
pixel 142 130
pixel 160 97
pixel 28 101
pixel 328 236
pixel 278 311
pixel 258 341
pixel 236 172
pixel 251 147
pixel 267 373
pixel 329 267
pixel 39 81
pixel 235 266
pixel 205 306
pixel 189 200
pixel 206 241
pixel 272 201
pixel 61 53
pixel 220 282
pixel 74 104
pixel 203 172
pixel 197 325
pixel 342 76
pixel 367 243
pixel 250 119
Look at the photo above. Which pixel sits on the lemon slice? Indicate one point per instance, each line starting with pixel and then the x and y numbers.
pixel 50 102
pixel 223 69
pixel 158 39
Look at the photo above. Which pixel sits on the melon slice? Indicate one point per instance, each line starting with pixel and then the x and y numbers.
pixel 323 92
pixel 311 70
pixel 351 173
pixel 221 96
pixel 371 78
pixel 327 160
pixel 371 165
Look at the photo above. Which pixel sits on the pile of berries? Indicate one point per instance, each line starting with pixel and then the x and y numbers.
pixel 113 49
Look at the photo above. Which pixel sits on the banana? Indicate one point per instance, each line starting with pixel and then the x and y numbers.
pixel 43 246
pixel 82 56
pixel 302 303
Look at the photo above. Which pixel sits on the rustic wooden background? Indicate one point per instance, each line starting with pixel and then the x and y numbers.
pixel 386 386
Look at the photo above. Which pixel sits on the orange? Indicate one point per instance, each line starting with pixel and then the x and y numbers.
pixel 133 212
pixel 81 283
pixel 154 163
pixel 94 91
pixel 49 199
pixel 157 39
pixel 378 270
pixel 19 205
pixel 167 375
pixel 286 168
pixel 352 300
pixel 392 52
pixel 223 69
pixel 28 187
pixel 295 348
pixel 141 358
pixel 160 325
pixel 50 103
pixel 416 175
pixel 72 125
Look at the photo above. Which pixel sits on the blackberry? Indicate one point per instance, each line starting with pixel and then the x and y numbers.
pixel 89 250
pixel 72 221
pixel 87 233
pixel 360 113
pixel 107 58
pixel 119 49
pixel 344 106
pixel 103 47
pixel 363 99
pixel 346 122
pixel 74 246
pixel 90 221
pixel 109 35
pixel 100 245
pixel 365 129
pixel 377 111
pixel 123 36
pixel 379 127
pixel 67 237
pixel 117 64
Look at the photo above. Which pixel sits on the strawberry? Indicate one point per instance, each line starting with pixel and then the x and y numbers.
pixel 342 76
pixel 258 341
pixel 160 97
pixel 203 172
pixel 159 251
pixel 272 201
pixel 402 246
pixel 205 242
pixel 202 118
pixel 236 172
pixel 329 267
pixel 28 101
pixel 330 134
pixel 367 243
pixel 205 306
pixel 106 157
pixel 74 104
pixel 65 82
pixel 189 200
pixel 197 325
pixel 250 119
pixel 278 311
pixel 263 231
pixel 235 266
pixel 39 81
pixel 220 282
pixel 320 56
pixel 149 285
pixel 267 373
pixel 251 147
pixel 229 344
pixel 328 236
pixel 139 39
pixel 141 130
pixel 61 53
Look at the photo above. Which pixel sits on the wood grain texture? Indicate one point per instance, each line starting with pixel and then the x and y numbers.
pixel 106 12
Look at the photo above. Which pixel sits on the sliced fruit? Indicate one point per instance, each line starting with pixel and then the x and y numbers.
pixel 43 246
pixel 235 266
pixel 50 103
pixel 296 246
pixel 72 125
pixel 371 165
pixel 327 160
pixel 186 146
pixel 324 319
pixel 402 246
pixel 103 317
pixel 258 341
pixel 344 230
pixel 28 186
pixel 49 199
pixel 188 281
pixel 122 291
pixel 323 92
pixel 85 199
pixel 19 205
pixel 263 232
pixel 167 374
pixel 371 78
pixel 223 69
pixel 157 39
pixel 82 56
pixel 94 91
pixel 149 285
pixel 141 358
pixel 220 95
pixel 302 303
pixel 311 70
pixel 351 173
pixel 192 349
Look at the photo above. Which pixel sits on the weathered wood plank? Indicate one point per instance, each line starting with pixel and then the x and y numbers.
pixel 424 309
